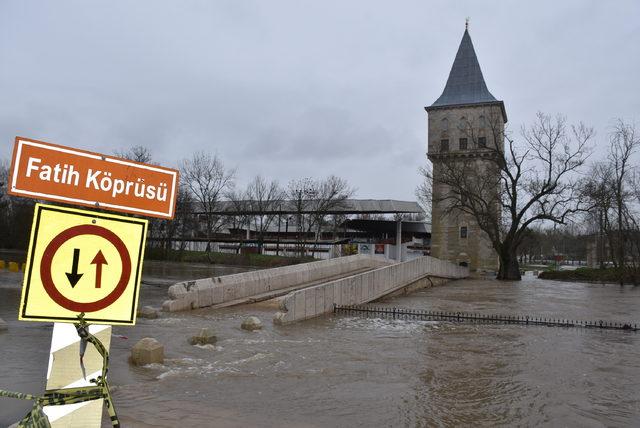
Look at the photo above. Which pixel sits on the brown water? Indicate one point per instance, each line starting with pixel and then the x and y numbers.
pixel 346 371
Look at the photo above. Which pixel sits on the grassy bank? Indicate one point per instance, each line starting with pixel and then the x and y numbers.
pixel 612 275
pixel 253 260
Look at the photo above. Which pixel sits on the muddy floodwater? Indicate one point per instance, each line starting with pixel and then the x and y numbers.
pixel 346 371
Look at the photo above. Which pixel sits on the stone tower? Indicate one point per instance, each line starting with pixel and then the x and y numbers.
pixel 461 124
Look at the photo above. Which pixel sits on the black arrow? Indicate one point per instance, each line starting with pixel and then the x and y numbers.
pixel 74 276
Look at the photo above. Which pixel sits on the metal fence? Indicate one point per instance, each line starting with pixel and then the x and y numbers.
pixel 417 314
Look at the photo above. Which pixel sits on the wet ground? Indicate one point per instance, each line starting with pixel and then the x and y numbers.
pixel 348 371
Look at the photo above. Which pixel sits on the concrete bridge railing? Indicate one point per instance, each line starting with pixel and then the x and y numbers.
pixel 362 288
pixel 228 288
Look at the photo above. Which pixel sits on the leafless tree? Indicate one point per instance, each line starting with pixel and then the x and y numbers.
pixel 301 194
pixel 163 232
pixel 207 179
pixel 331 195
pixel 513 186
pixel 624 143
pixel 4 178
pixel 597 193
pixel 611 190
pixel 239 206
pixel 424 191
pixel 136 153
pixel 263 197
pixel 179 229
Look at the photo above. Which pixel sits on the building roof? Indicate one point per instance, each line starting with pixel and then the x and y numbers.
pixel 388 226
pixel 465 84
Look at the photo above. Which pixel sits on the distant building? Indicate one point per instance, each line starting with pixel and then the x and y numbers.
pixel 462 123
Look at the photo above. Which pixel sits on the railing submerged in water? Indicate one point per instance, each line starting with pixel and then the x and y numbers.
pixel 418 314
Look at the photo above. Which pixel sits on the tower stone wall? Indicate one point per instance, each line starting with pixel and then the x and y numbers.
pixel 469 124
pixel 464 123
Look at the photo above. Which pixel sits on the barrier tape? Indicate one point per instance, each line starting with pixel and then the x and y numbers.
pixel 36 418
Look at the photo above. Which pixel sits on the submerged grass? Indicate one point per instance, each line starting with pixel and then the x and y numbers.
pixel 611 275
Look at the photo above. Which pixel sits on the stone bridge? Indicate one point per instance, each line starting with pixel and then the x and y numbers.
pixel 311 289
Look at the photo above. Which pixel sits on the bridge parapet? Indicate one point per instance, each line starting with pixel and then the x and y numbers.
pixel 362 288
pixel 206 292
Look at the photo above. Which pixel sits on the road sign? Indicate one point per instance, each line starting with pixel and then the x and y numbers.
pixel 42 170
pixel 82 261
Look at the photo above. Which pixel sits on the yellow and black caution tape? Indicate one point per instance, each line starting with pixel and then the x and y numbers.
pixel 36 418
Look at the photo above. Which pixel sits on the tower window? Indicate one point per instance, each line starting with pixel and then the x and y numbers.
pixel 463 232
pixel 463 143
pixel 463 123
pixel 444 145
pixel 482 142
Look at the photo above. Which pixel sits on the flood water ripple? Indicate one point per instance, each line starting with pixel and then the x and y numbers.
pixel 347 371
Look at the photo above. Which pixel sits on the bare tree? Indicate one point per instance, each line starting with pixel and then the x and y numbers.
pixel 610 189
pixel 624 143
pixel 239 206
pixel 263 197
pixel 301 194
pixel 331 195
pixel 4 178
pixel 135 153
pixel 597 193
pixel 207 179
pixel 423 192
pixel 511 187
pixel 179 229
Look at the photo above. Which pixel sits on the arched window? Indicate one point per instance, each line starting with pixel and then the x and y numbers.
pixel 464 123
pixel 482 122
pixel 444 124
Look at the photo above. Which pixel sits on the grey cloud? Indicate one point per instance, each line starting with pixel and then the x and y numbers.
pixel 289 88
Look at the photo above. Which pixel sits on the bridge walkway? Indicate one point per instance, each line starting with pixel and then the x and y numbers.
pixel 272 294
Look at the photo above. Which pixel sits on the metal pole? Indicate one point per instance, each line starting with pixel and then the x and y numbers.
pixel 399 240
pixel 278 243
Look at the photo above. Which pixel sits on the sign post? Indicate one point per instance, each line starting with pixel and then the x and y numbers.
pixel 84 266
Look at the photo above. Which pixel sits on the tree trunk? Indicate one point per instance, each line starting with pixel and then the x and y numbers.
pixel 509 266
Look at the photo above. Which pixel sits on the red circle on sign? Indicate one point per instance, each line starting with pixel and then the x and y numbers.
pixel 64 236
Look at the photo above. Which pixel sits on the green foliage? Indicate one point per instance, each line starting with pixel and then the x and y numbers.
pixel 611 275
pixel 15 223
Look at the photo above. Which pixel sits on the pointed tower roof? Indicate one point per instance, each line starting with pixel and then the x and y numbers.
pixel 465 84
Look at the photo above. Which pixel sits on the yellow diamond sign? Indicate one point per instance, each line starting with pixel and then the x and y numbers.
pixel 82 261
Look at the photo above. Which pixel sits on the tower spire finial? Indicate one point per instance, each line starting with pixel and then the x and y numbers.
pixel 466 23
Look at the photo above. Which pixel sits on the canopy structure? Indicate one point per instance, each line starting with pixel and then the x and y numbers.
pixel 388 226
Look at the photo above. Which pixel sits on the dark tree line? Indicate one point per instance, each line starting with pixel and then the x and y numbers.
pixel 16 215
pixel 206 186
pixel 612 191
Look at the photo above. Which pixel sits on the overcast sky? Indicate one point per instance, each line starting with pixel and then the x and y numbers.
pixel 289 89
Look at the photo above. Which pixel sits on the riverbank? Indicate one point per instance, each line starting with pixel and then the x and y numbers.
pixel 227 259
pixel 223 259
pixel 609 275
